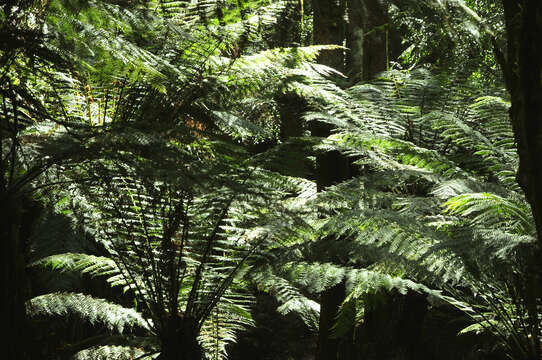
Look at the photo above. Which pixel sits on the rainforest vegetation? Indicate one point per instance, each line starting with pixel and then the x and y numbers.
pixel 257 179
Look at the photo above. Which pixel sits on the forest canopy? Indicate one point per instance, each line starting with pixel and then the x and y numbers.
pixel 256 179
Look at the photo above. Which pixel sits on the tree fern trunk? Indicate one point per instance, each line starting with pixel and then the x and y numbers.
pixel 291 108
pixel 179 340
pixel 331 300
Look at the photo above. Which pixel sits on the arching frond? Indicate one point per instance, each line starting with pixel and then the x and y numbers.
pixel 491 210
pixel 290 298
pixel 96 311
pixel 95 266
pixel 230 316
pixel 366 286
pixel 112 352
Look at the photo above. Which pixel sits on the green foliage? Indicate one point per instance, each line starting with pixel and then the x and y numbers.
pixel 367 289
pixel 110 352
pixel 289 296
pixel 452 35
pixel 84 307
pixel 483 235
pixel 434 200
pixel 142 124
pixel 95 266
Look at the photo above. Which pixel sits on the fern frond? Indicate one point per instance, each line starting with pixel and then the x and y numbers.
pixel 289 297
pixel 365 286
pixel 230 316
pixel 96 311
pixel 112 352
pixel 86 264
pixel 492 210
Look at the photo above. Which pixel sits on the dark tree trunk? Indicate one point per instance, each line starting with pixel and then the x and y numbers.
pixel 291 108
pixel 331 168
pixel 354 39
pixel 179 340
pixel 522 67
pixel 13 282
pixel 375 41
pixel 288 28
pixel 19 217
pixel 393 329
pixel 367 33
pixel 331 300
pixel 328 29
pixel 371 39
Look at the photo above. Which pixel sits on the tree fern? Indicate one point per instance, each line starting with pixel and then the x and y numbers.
pixel 137 111
pixel 198 221
pixel 414 208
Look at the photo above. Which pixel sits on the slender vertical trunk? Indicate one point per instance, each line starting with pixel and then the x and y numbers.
pixel 328 29
pixel 288 28
pixel 354 39
pixel 376 39
pixel 331 300
pixel 372 39
pixel 19 217
pixel 367 38
pixel 331 168
pixel 13 282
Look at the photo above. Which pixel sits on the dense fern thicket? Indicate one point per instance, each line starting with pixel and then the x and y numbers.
pixel 161 165
pixel 433 200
